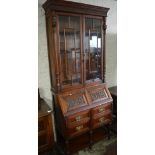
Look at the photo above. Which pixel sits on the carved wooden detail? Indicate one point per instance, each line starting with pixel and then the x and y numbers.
pixel 75 101
pixel 54 21
pixel 98 95
pixel 76 47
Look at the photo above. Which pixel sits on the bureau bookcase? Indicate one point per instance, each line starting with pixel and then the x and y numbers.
pixel 76 49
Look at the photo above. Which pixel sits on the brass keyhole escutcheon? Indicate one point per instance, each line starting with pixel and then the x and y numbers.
pixel 78 128
pixel 101 119
pixel 101 109
pixel 78 118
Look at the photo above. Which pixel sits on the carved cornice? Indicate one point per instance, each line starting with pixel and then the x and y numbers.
pixel 80 8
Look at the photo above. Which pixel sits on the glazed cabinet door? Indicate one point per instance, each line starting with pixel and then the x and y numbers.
pixel 70 49
pixel 93 48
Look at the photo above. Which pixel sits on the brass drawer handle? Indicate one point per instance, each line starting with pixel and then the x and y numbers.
pixel 78 128
pixel 78 118
pixel 101 119
pixel 101 109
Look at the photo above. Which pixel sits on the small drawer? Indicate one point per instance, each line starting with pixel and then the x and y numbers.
pixel 105 119
pixel 42 140
pixel 42 123
pixel 78 129
pixel 101 108
pixel 78 123
pixel 102 114
pixel 78 116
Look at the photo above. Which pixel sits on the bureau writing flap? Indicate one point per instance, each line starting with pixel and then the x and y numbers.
pixel 72 100
pixel 98 93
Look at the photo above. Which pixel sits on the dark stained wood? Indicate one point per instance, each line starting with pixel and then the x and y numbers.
pixel 78 116
pixel 104 47
pixel 102 108
pixel 73 7
pixel 113 91
pixel 97 113
pixel 112 149
pixel 53 38
pixel 82 101
pixel 45 128
pixel 81 142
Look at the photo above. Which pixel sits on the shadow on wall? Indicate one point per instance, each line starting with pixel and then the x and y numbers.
pixel 42 95
pixel 111 59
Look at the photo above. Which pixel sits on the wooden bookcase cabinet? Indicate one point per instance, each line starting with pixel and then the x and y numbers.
pixel 76 48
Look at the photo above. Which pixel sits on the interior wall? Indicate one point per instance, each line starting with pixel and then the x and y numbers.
pixel 111 47
pixel 43 65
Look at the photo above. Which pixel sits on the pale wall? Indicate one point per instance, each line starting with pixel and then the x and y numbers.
pixel 111 47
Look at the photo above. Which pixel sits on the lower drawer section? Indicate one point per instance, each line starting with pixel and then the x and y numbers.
pixel 101 108
pixel 79 143
pixel 99 121
pixel 42 140
pixel 77 130
pixel 42 123
pixel 82 141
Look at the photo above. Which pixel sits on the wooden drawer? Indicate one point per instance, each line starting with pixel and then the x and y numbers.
pixel 79 129
pixel 101 108
pixel 77 123
pixel 101 119
pixel 42 140
pixel 78 116
pixel 101 114
pixel 42 124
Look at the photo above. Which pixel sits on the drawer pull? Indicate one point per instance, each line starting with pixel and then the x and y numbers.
pixel 78 118
pixel 101 109
pixel 78 128
pixel 101 119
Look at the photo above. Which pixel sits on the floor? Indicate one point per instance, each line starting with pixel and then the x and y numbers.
pixel 104 147
pixel 101 148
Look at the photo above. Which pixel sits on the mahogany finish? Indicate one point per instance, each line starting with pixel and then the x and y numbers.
pixel 76 48
pixel 45 129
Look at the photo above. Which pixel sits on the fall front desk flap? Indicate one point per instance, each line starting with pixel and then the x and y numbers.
pixel 84 98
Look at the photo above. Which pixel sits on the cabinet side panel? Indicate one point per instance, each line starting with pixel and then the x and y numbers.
pixel 51 55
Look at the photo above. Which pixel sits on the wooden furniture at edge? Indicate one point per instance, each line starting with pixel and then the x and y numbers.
pixel 45 128
pixel 76 49
pixel 113 92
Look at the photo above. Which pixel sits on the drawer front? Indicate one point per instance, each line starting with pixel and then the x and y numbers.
pixel 42 124
pixel 42 140
pixel 101 114
pixel 78 123
pixel 102 108
pixel 77 130
pixel 78 117
pixel 99 121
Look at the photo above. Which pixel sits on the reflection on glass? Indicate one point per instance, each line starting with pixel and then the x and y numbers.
pixel 95 43
pixel 69 34
pixel 93 48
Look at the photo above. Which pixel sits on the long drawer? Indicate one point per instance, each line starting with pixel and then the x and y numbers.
pixel 77 117
pixel 79 129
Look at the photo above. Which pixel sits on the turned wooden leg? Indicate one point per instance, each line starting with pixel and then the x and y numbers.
pixel 108 128
pixel 91 139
